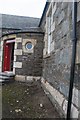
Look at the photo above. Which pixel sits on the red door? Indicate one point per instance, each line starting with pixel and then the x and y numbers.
pixel 7 54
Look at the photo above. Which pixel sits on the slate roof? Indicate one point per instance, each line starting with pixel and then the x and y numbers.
pixel 18 22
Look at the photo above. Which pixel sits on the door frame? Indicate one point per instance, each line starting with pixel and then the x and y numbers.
pixel 7 43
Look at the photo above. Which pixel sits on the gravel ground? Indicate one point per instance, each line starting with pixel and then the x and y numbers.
pixel 21 100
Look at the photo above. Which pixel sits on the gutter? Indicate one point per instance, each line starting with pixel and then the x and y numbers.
pixel 16 32
pixel 74 46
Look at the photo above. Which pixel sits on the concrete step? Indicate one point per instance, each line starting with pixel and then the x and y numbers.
pixel 1 80
pixel 6 76
pixel 7 73
pixel 6 80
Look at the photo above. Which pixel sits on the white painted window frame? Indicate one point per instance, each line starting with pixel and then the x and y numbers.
pixel 49 20
pixel 49 43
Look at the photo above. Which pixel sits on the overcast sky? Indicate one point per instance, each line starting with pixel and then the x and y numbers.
pixel 31 8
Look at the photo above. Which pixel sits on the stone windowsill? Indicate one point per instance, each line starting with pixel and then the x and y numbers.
pixel 46 56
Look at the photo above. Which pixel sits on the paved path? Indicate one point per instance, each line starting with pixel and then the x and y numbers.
pixel 20 100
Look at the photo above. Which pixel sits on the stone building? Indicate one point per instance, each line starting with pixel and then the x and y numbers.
pixel 42 49
pixel 57 53
pixel 21 46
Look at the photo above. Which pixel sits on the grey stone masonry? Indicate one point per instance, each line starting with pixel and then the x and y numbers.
pixel 56 65
pixel 31 62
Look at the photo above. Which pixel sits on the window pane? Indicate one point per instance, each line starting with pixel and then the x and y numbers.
pixel 29 45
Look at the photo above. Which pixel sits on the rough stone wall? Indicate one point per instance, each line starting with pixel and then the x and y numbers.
pixel 77 68
pixel 26 63
pixel 56 65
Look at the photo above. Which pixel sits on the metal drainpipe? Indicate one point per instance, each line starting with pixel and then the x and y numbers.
pixel 72 72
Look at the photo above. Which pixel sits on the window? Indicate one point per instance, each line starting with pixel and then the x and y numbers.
pixel 29 46
pixel 49 23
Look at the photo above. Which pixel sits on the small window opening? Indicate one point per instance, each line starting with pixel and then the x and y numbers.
pixel 29 45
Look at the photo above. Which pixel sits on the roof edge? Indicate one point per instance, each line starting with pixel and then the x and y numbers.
pixel 19 15
pixel 44 11
pixel 16 32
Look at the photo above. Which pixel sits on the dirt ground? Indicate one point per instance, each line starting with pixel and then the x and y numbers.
pixel 20 100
